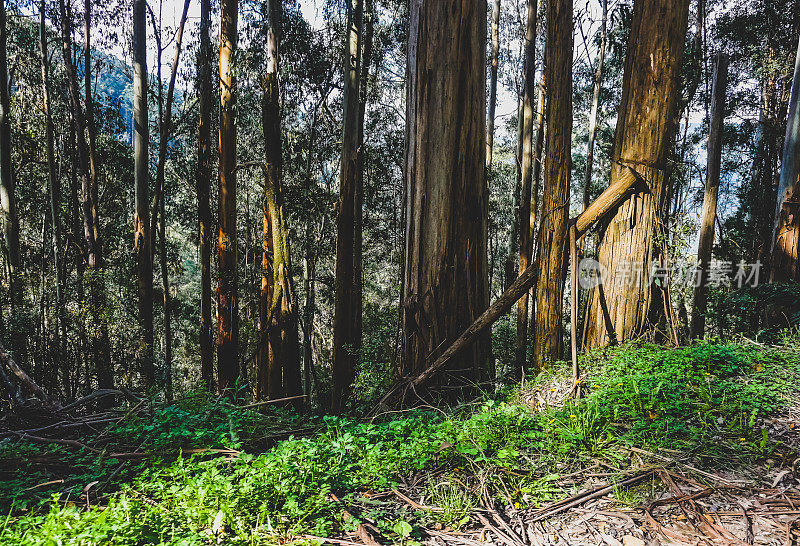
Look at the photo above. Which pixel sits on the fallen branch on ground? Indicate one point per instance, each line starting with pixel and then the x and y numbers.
pixel 576 500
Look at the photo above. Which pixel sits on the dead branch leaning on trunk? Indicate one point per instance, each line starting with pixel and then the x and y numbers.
pixel 605 203
pixel 25 379
pixel 13 391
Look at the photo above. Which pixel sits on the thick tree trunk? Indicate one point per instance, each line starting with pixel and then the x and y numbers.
pixel 227 284
pixel 143 239
pixel 598 80
pixel 203 185
pixel 8 205
pixel 785 256
pixel 709 215
pixel 493 69
pixel 641 147
pixel 526 213
pixel 279 350
pixel 548 344
pixel 54 186
pixel 445 277
pixel 344 334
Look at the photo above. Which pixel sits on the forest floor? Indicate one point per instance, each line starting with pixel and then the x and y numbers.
pixel 695 445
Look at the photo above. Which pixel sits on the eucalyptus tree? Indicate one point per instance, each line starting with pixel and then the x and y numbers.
pixel 557 167
pixel 445 283
pixel 618 308
pixel 227 242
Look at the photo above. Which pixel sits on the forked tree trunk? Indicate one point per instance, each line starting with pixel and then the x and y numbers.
pixel 548 344
pixel 493 69
pixel 279 349
pixel 203 184
pixel 228 282
pixel 143 238
pixel 8 205
pixel 785 256
pixel 165 130
pixel 344 320
pixel 445 276
pixel 709 215
pixel 641 147
pixel 526 213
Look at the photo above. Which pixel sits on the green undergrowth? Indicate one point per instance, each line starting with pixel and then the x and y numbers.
pixel 709 398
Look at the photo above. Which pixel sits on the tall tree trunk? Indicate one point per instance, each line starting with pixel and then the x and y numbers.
pixel 165 131
pixel 495 62
pixel 8 205
pixel 510 266
pixel 709 215
pixel 526 212
pixel 358 217
pixel 279 350
pixel 641 146
pixel 101 350
pixel 203 185
pixel 548 345
pixel 143 238
pixel 598 80
pixel 344 334
pixel 54 184
pixel 309 273
pixel 445 277
pixel 785 256
pixel 78 248
pixel 227 284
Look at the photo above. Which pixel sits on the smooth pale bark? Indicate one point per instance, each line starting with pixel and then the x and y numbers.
pixel 548 344
pixel 228 282
pixel 526 213
pixel 54 187
pixel 101 349
pixel 279 350
pixel 8 205
pixel 445 286
pixel 203 186
pixel 141 221
pixel 709 214
pixel 309 270
pixel 344 320
pixel 785 265
pixel 493 69
pixel 641 147
pixel 510 267
pixel 598 80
